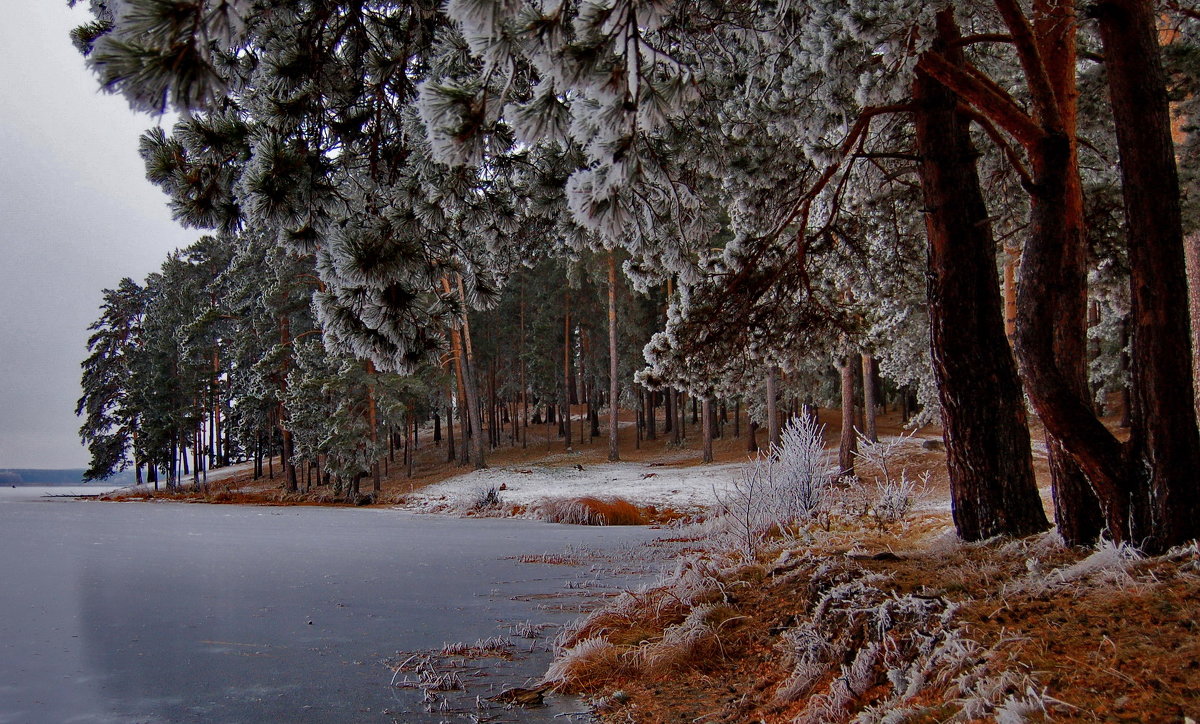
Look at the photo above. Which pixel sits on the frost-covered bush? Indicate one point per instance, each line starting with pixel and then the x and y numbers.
pixel 884 491
pixel 775 492
pixel 801 479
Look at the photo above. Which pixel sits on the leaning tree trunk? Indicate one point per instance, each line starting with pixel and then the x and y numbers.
pixel 1077 510
pixel 456 362
pixel 473 412
pixel 1164 447
pixel 992 484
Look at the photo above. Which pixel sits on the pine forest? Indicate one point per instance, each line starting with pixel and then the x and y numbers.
pixel 836 254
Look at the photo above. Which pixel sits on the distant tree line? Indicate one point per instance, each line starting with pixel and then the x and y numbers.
pixel 980 202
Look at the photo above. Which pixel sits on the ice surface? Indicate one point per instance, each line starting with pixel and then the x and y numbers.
pixel 174 612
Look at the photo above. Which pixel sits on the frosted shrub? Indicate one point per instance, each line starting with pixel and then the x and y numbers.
pixel 889 493
pixel 895 498
pixel 788 487
pixel 800 485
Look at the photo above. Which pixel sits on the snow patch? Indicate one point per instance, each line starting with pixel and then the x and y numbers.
pixel 683 488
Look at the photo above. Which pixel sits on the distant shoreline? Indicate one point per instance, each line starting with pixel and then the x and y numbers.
pixel 25 477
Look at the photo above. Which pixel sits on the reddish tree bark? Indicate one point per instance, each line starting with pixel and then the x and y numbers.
pixel 614 385
pixel 848 440
pixel 1164 448
pixel 986 432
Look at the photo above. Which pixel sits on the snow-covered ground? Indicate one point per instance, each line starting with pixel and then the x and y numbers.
pixel 686 489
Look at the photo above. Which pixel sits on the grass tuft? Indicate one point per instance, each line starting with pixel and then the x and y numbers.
pixel 591 511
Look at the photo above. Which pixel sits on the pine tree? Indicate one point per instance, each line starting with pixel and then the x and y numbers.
pixel 111 419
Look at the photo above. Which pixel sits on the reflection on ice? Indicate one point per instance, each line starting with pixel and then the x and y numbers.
pixel 172 612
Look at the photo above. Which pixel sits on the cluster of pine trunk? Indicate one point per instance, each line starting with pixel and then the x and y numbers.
pixel 1142 491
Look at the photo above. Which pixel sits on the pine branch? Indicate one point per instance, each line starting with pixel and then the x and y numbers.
pixel 989 99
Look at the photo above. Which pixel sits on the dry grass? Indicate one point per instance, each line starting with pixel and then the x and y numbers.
pixel 590 511
pixel 589 660
pixel 915 627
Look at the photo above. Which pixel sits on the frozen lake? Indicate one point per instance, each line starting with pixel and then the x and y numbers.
pixel 118 612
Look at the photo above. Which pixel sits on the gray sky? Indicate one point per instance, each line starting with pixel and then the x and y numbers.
pixel 76 215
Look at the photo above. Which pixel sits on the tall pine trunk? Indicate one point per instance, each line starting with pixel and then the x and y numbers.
pixel 565 421
pixel 1164 447
pixel 651 433
pixel 848 440
pixel 289 468
pixel 870 403
pixel 774 429
pixel 614 385
pixel 1192 255
pixel 1076 508
pixel 474 412
pixel 992 485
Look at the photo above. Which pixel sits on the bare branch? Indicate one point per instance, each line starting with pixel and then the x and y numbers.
pixel 981 38
pixel 1010 153
pixel 1041 90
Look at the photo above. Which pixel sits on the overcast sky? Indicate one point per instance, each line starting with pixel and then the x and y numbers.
pixel 76 215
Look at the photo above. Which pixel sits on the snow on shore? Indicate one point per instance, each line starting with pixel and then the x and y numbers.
pixel 667 483
pixel 686 489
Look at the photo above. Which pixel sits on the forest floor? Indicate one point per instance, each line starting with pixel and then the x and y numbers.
pixel 852 620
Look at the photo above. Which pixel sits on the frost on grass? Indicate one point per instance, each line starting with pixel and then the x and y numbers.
pixel 494 647
pixel 690 640
pixel 909 644
pixel 1109 565
pixel 585 661
pixel 588 510
pixel 860 651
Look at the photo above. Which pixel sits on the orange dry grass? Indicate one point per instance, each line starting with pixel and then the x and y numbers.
pixel 1112 651
pixel 589 660
pixel 614 511
pixel 592 511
